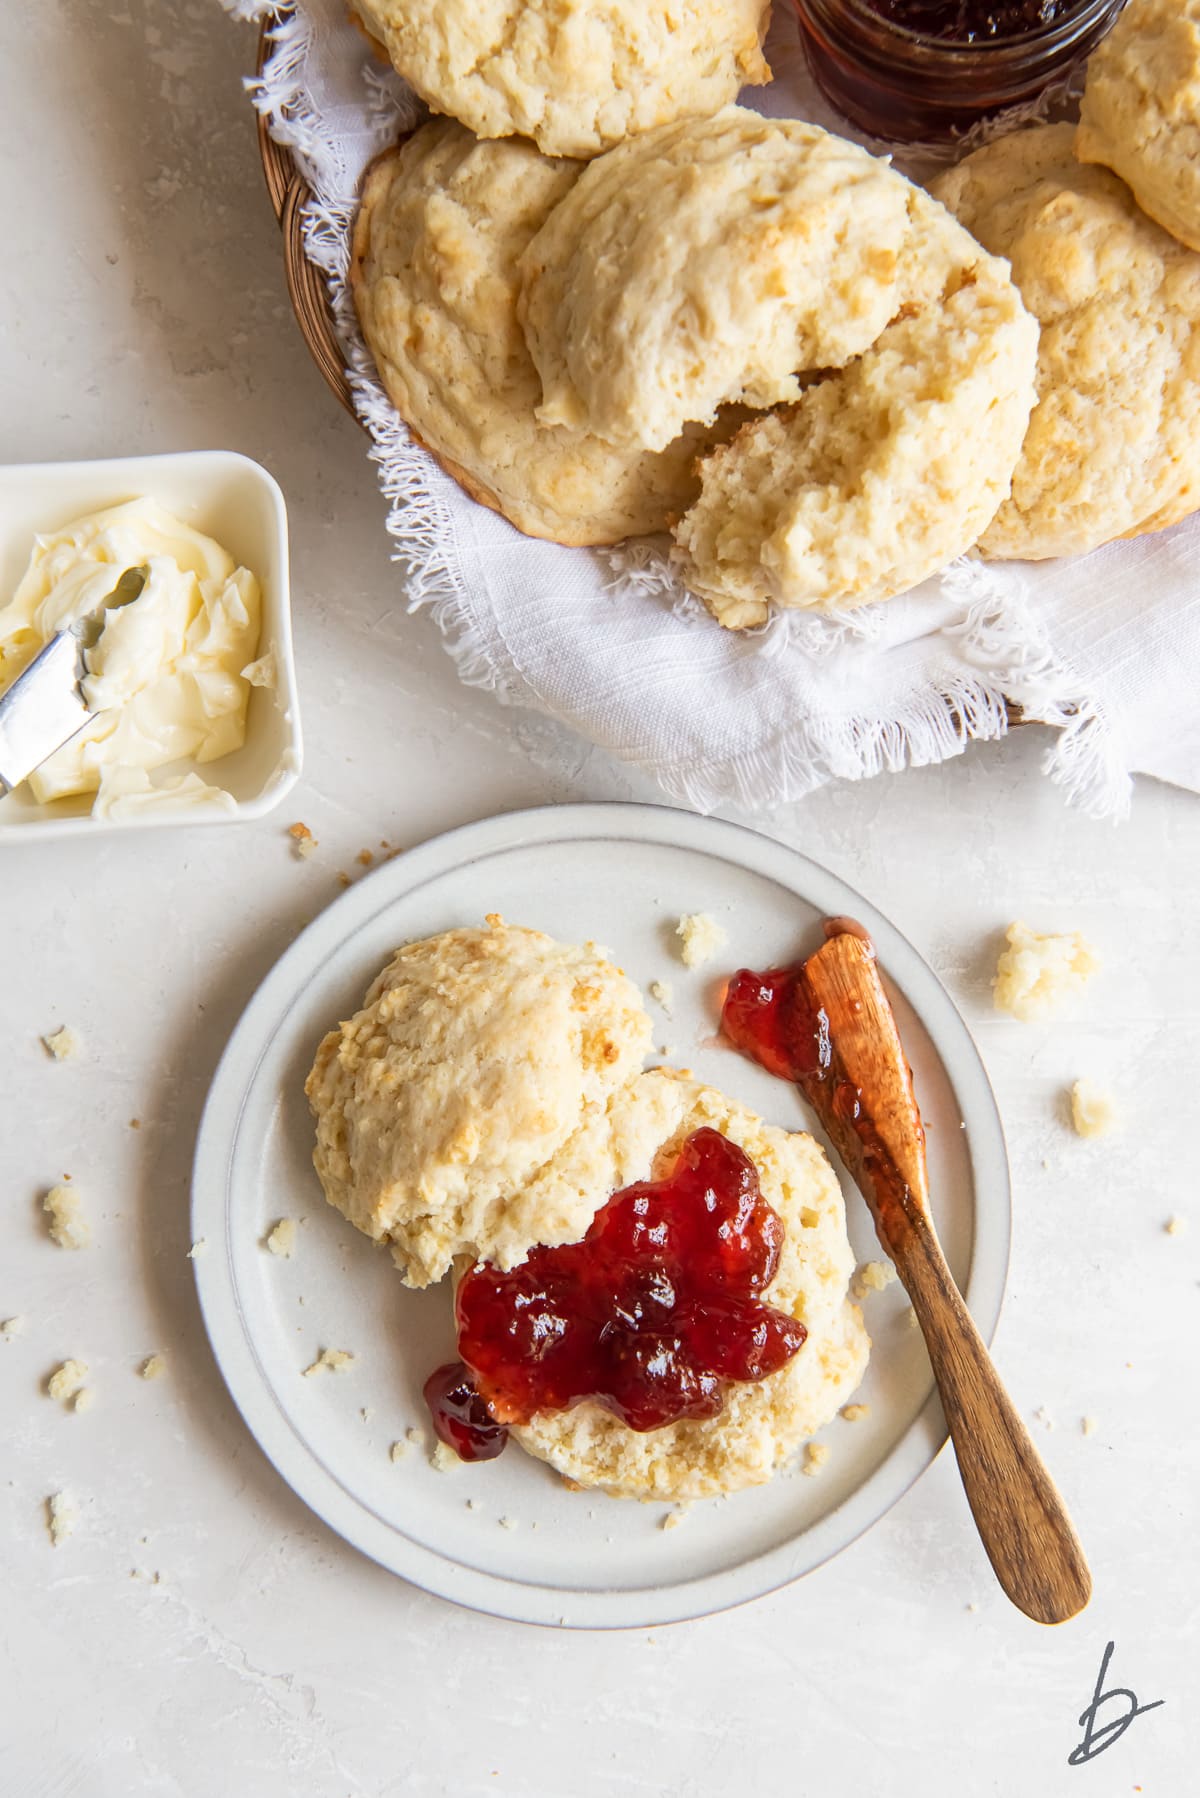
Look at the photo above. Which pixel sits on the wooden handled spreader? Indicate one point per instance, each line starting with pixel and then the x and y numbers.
pixel 831 1022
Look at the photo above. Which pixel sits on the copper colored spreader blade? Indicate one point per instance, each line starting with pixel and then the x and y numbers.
pixel 864 1097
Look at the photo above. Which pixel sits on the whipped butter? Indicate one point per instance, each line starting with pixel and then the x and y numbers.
pixel 169 678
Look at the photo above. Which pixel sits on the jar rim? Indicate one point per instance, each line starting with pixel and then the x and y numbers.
pixel 1054 33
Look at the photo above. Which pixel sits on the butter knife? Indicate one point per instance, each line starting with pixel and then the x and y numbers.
pixel 44 708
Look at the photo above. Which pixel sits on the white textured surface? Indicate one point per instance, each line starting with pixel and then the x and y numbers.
pixel 144 309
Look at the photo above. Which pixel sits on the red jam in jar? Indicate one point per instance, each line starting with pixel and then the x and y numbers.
pixel 929 69
pixel 651 1315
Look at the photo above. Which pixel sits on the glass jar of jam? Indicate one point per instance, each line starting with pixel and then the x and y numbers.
pixel 928 69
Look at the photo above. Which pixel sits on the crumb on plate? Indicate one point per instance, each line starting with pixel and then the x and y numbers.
pixel 68 1227
pixel 198 1249
pixel 61 1517
pixel 303 839
pixel 333 1360
pixel 1174 1226
pixel 84 1398
pixel 11 1328
pixel 63 1044
pixel 153 1367
pixel 856 1413
pixel 872 1276
pixel 398 1450
pixel 1087 1426
pixel 661 992
pixel 815 1456
pixel 66 1380
pixel 444 1458
pixel 281 1238
pixel 700 936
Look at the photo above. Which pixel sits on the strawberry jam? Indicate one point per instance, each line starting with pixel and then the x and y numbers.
pixel 650 1315
pixel 460 1416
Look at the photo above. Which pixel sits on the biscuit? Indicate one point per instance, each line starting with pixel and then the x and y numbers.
pixel 763 1423
pixel 880 474
pixel 1140 112
pixel 707 263
pixel 576 76
pixel 1113 446
pixel 476 1056
pixel 441 224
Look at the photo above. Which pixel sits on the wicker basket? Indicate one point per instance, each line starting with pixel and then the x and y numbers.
pixel 289 193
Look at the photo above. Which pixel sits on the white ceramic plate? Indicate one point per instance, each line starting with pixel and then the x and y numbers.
pixel 236 501
pixel 505 1536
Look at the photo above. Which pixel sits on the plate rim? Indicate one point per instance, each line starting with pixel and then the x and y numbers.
pixel 500 1595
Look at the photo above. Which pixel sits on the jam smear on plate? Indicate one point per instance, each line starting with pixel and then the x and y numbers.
pixel 650 1315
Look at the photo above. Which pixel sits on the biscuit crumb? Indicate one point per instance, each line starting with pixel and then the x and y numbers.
pixel 472 1504
pixel 281 1238
pixel 1087 1426
pixel 667 1049
pixel 365 857
pixel 366 1413
pixel 11 1328
pixel 335 1360
pixel 673 1519
pixel 661 992
pixel 700 936
pixel 153 1367
pixel 1092 1110
pixel 1036 974
pixel 61 1517
pixel 856 1413
pixel 198 1249
pixel 398 1450
pixel 343 879
pixel 66 1380
pixel 414 1433
pixel 872 1276
pixel 815 1456
pixel 303 839
pixel 444 1458
pixel 508 1523
pixel 972 1607
pixel 84 1398
pixel 914 1322
pixel 1174 1226
pixel 1042 1416
pixel 135 1123
pixel 63 1044
pixel 68 1227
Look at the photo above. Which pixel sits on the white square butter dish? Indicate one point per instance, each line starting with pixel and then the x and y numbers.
pixel 231 498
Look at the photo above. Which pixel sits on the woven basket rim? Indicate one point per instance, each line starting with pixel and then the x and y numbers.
pixel 289 193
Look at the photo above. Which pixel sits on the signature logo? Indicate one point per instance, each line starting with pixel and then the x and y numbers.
pixel 1098 1736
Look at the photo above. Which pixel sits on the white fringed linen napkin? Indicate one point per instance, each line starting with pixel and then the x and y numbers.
pixel 1102 646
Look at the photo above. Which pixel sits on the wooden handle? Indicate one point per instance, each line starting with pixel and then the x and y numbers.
pixel 862 1091
pixel 1021 1519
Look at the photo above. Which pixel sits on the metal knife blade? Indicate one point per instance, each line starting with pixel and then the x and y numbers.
pixel 44 707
